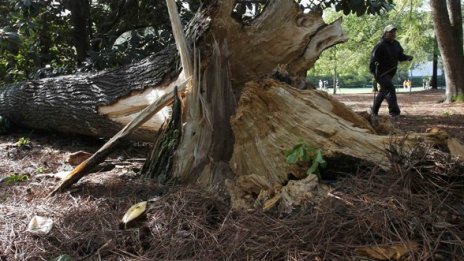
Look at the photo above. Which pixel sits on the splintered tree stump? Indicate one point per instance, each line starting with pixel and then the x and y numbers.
pixel 272 117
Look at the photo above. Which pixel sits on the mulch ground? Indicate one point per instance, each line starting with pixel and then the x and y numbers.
pixel 418 204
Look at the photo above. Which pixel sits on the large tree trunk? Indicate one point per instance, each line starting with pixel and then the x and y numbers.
pixel 94 104
pixel 447 20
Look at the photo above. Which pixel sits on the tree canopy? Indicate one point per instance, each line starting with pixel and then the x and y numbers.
pixel 415 35
pixel 55 37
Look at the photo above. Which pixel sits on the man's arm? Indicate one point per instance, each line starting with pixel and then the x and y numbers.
pixel 373 64
pixel 402 56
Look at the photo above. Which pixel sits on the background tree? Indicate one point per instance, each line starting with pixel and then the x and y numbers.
pixel 415 35
pixel 447 21
pixel 47 38
pixel 33 42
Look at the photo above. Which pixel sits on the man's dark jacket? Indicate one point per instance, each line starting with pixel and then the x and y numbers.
pixel 385 57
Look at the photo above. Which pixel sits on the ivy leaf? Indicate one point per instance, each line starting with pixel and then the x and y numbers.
pixel 292 157
pixel 318 161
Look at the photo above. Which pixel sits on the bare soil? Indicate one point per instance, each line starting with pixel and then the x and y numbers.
pixel 368 210
pixel 419 111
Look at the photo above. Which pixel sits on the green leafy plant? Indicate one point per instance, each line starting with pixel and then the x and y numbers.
pixel 14 178
pixel 302 153
pixel 23 142
pixel 40 170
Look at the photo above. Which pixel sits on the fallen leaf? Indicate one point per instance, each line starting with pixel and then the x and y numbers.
pixel 388 252
pixel 456 148
pixel 270 203
pixel 40 225
pixel 78 157
pixel 134 212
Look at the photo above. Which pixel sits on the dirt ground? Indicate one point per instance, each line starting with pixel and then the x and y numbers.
pixel 420 111
pixel 87 218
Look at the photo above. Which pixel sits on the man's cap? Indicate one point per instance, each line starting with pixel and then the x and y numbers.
pixel 389 28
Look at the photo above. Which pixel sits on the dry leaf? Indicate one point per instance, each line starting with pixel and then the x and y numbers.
pixel 40 225
pixel 77 158
pixel 388 252
pixel 456 148
pixel 134 212
pixel 270 203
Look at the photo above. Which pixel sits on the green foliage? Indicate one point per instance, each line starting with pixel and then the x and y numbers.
pixel 23 142
pixel 33 44
pixel 37 38
pixel 15 178
pixel 40 170
pixel 302 153
pixel 351 59
pixel 358 7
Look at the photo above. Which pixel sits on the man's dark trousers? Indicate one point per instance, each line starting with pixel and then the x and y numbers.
pixel 387 90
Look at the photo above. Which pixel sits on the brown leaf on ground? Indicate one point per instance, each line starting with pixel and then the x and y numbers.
pixel 456 148
pixel 388 252
pixel 78 157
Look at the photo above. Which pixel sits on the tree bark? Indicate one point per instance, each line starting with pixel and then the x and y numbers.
pixel 434 80
pixel 94 104
pixel 447 20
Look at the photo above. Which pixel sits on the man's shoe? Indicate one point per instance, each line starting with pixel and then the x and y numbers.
pixel 395 117
pixel 374 119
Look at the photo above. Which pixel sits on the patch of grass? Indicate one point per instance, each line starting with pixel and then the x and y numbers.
pixel 446 113
pixel 458 98
pixel 15 178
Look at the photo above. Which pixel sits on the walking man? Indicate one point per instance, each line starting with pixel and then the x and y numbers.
pixel 383 64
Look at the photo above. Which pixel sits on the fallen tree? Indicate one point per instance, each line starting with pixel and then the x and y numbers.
pixel 241 113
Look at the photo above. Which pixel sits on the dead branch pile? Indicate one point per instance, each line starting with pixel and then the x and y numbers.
pixel 418 203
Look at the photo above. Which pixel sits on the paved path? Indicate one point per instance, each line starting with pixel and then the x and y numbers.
pixel 369 90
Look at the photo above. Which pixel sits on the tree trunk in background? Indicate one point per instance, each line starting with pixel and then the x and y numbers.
pixel 447 20
pixel 80 15
pixel 434 80
pixel 45 40
pixel 335 76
